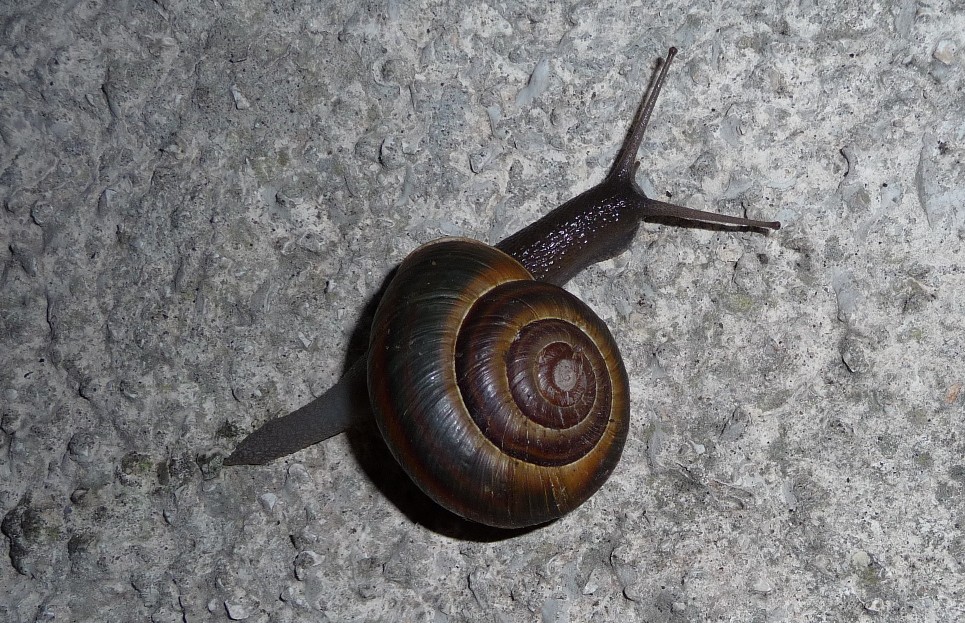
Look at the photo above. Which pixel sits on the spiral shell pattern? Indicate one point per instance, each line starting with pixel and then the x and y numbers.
pixel 504 399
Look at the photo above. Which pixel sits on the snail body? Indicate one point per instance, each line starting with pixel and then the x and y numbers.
pixel 503 396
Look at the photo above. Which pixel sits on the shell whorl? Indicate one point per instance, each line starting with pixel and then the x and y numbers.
pixel 462 340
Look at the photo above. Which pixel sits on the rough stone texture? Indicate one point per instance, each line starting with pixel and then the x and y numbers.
pixel 201 201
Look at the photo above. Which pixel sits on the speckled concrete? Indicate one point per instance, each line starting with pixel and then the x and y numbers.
pixel 201 201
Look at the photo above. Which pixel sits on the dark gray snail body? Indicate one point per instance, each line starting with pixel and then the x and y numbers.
pixel 501 395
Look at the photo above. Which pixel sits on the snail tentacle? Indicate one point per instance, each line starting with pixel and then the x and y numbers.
pixel 625 164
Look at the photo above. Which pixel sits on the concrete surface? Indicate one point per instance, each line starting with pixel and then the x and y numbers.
pixel 202 199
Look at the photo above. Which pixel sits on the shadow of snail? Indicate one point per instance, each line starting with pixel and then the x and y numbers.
pixel 502 396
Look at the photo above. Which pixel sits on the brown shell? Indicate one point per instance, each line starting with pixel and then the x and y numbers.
pixel 463 333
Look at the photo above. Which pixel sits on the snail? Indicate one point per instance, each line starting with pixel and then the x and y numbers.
pixel 502 395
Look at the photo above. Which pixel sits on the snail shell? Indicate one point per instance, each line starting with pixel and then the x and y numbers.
pixel 505 399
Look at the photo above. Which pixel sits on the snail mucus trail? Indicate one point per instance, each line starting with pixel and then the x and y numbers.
pixel 486 475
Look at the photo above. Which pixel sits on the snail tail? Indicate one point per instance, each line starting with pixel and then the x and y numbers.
pixel 332 413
